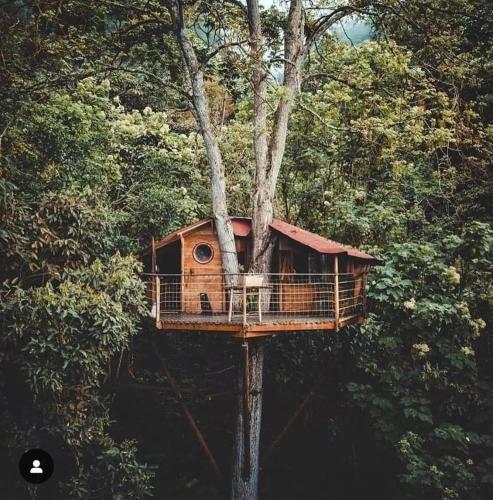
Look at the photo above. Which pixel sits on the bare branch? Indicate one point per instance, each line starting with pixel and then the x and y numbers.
pixel 149 74
pixel 228 45
pixel 324 23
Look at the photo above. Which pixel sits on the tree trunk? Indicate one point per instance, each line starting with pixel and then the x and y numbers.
pixel 267 170
pixel 223 223
pixel 260 132
pixel 247 430
pixel 268 158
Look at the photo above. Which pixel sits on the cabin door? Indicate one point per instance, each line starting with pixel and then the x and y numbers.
pixel 168 262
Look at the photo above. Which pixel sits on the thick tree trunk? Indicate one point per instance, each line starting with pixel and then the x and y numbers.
pixel 247 430
pixel 260 260
pixel 270 157
pixel 219 203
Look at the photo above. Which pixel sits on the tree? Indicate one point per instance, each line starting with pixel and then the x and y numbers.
pixel 269 149
pixel 195 72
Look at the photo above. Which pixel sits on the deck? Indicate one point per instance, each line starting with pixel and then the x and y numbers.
pixel 257 305
pixel 271 324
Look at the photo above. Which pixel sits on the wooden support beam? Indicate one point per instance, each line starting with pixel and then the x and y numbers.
pixel 292 419
pixel 261 330
pixel 189 417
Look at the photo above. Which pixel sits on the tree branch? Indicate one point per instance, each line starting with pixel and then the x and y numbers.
pixel 149 74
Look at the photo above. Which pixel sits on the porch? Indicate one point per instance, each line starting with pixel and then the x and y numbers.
pixel 252 305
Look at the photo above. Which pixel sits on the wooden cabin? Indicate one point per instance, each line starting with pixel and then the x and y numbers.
pixel 314 284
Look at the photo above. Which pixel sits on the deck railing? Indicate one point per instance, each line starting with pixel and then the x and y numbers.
pixel 248 298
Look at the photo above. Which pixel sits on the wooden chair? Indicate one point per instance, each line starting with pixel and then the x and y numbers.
pixel 246 283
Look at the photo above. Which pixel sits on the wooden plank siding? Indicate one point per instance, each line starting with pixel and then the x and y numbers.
pixel 212 283
pixel 304 293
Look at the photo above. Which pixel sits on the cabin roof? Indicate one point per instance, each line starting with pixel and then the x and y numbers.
pixel 242 227
pixel 317 242
pixel 176 235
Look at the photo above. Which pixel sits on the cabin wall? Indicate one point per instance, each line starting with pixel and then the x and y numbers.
pixel 244 252
pixel 295 294
pixel 297 297
pixel 202 278
pixel 303 293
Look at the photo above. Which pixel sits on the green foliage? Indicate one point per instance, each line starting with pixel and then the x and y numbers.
pixel 377 157
pixel 68 331
pixel 422 388
pixel 116 473
pixel 61 338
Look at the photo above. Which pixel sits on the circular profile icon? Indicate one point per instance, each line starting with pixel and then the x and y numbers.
pixel 36 466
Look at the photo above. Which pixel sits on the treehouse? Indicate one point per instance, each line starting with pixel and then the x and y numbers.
pixel 314 284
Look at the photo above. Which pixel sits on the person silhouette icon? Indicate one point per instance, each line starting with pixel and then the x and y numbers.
pixel 30 467
pixel 36 469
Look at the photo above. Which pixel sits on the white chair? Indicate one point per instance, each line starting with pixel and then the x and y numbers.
pixel 246 284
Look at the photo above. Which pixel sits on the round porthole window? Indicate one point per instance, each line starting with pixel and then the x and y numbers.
pixel 203 253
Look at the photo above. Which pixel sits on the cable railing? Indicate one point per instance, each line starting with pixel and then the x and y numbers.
pixel 257 298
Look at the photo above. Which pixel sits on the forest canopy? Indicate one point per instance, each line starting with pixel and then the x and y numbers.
pixel 388 148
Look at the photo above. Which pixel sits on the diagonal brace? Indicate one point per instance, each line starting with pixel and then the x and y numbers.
pixel 188 415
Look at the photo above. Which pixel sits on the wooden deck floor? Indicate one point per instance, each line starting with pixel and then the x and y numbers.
pixel 271 323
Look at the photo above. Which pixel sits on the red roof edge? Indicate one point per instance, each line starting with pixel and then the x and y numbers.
pixel 317 242
pixel 175 235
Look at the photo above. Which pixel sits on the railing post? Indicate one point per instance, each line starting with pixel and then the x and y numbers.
pixel 365 278
pixel 244 297
pixel 336 291
pixel 157 283
pixel 152 283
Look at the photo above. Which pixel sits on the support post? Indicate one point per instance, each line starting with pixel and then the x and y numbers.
pixel 244 293
pixel 260 304
pixel 157 284
pixel 245 471
pixel 365 279
pixel 182 274
pixel 152 280
pixel 336 291
pixel 230 307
